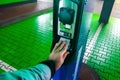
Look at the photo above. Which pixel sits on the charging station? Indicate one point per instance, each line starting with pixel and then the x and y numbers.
pixel 72 26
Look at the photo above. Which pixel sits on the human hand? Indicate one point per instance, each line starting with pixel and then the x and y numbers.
pixel 59 54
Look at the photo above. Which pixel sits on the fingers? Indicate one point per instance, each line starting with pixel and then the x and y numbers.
pixel 65 47
pixel 62 47
pixel 57 45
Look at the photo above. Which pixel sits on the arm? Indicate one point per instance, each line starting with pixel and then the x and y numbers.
pixel 43 71
pixel 39 72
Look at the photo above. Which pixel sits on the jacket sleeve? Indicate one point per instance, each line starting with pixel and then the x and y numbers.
pixel 43 71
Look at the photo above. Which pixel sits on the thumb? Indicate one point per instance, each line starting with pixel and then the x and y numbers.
pixel 65 55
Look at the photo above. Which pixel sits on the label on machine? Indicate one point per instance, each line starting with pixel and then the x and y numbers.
pixel 67 17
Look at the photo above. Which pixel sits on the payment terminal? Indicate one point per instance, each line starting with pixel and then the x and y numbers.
pixel 65 27
pixel 67 20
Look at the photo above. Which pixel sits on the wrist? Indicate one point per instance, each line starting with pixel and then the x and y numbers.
pixel 51 65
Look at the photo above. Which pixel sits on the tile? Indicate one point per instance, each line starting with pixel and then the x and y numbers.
pixel 1 71
pixel 17 41
pixel 106 52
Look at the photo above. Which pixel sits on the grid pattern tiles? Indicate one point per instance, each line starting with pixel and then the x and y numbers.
pixel 27 42
pixel 105 56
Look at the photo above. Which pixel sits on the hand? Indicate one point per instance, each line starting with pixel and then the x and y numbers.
pixel 59 54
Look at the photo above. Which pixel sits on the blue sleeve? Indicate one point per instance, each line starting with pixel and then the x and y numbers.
pixel 41 71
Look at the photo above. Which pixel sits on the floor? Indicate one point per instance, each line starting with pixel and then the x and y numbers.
pixel 18 38
pixel 17 13
pixel 104 58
